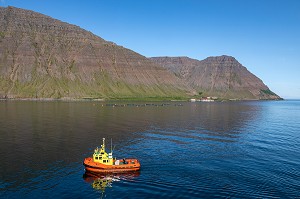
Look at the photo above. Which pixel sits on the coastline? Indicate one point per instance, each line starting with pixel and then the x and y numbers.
pixel 50 99
pixel 146 99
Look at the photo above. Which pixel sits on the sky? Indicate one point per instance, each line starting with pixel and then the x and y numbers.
pixel 263 35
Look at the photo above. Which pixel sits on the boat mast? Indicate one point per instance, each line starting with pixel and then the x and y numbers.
pixel 103 146
pixel 111 145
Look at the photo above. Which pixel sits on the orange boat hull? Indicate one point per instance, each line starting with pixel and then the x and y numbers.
pixel 96 167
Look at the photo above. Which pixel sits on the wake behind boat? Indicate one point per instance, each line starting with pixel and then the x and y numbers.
pixel 103 162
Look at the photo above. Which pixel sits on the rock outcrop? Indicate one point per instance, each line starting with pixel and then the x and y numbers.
pixel 41 57
pixel 221 76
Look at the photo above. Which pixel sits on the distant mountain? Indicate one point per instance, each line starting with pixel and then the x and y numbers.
pixel 41 57
pixel 221 76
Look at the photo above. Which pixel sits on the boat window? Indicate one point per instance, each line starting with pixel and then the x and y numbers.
pixel 96 157
pixel 104 161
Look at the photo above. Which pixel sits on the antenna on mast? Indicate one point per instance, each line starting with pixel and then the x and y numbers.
pixel 111 145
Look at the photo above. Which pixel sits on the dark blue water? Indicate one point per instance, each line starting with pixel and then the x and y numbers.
pixel 187 150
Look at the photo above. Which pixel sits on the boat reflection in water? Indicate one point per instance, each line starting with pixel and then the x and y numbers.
pixel 105 180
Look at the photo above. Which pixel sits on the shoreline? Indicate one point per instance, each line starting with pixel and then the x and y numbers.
pixel 49 99
pixel 127 99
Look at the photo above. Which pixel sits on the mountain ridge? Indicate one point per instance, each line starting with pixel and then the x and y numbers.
pixel 220 76
pixel 41 57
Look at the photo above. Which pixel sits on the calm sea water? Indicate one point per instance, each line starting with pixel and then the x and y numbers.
pixel 187 150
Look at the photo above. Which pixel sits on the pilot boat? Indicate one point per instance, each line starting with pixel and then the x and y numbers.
pixel 102 162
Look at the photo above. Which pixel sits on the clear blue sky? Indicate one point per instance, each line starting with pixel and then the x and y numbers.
pixel 263 35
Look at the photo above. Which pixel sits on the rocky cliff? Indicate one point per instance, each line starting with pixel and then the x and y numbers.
pixel 221 76
pixel 41 57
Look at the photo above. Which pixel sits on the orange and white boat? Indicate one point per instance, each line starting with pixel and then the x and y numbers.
pixel 103 162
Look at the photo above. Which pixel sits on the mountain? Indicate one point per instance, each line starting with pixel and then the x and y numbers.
pixel 41 57
pixel 221 76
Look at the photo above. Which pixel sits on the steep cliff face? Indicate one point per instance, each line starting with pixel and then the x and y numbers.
pixel 221 76
pixel 45 58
